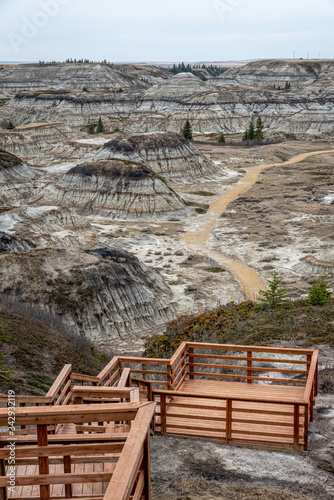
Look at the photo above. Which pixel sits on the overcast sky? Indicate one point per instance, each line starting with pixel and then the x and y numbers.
pixel 160 30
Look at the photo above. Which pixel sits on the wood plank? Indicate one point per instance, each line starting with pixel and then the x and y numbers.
pixel 125 378
pixel 47 479
pixel 43 462
pixel 244 348
pixel 62 450
pixel 125 474
pixel 62 377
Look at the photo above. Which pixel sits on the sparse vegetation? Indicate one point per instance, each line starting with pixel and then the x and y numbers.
pixel 318 294
pixel 202 71
pixel 221 138
pixel 10 126
pixel 247 324
pixel 100 127
pixel 187 131
pixel 34 350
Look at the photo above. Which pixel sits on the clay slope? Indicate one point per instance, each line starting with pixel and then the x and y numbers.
pixel 117 189
pixel 20 77
pixel 166 153
pixel 15 179
pixel 272 72
pixel 106 294
pixel 48 227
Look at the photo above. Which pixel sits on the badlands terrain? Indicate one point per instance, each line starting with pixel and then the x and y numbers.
pixel 123 231
pixel 113 235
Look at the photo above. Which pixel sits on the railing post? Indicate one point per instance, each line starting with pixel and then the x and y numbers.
pixel 311 403
pixel 249 367
pixel 296 427
pixel 169 378
pixel 43 462
pixel 143 367
pixel 67 470
pixel 3 491
pixel 191 362
pixel 228 420
pixel 146 464
pixel 163 413
pixel 306 409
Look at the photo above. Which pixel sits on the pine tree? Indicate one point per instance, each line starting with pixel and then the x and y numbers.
pixel 187 131
pixel 221 138
pixel 318 294
pixel 10 126
pixel 258 134
pixel 251 131
pixel 245 137
pixel 100 127
pixel 91 129
pixel 275 297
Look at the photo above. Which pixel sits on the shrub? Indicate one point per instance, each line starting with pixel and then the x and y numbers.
pixel 221 139
pixel 318 294
pixel 91 129
pixel 187 131
pixel 275 297
pixel 10 126
pixel 100 127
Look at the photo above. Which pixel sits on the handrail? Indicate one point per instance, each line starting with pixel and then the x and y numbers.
pixel 311 376
pixel 56 386
pixel 250 399
pixel 229 347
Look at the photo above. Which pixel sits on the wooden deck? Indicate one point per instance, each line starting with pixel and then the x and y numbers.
pixel 92 441
pixel 256 422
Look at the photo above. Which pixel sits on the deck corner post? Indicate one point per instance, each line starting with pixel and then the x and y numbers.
pixel 306 415
pixel 170 384
pixel 191 363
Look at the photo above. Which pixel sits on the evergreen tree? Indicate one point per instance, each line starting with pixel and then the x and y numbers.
pixel 100 127
pixel 91 129
pixel 221 138
pixel 275 297
pixel 258 134
pixel 245 137
pixel 187 131
pixel 10 126
pixel 318 294
pixel 251 131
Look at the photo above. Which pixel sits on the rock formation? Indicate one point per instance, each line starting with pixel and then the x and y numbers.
pixel 81 76
pixel 15 179
pixel 224 103
pixel 106 294
pixel 10 243
pixel 320 264
pixel 166 153
pixel 48 227
pixel 117 189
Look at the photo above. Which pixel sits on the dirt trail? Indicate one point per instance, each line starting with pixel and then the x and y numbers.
pixel 251 282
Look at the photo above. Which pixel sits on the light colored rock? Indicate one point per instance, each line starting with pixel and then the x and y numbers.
pixel 166 153
pixel 116 189
pixel 105 294
pixel 15 179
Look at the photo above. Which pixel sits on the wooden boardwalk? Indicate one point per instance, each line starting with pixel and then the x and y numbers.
pixel 92 441
pixel 252 421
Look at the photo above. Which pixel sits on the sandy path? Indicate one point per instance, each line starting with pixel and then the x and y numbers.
pixel 251 282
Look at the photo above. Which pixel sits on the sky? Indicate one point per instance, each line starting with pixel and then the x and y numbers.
pixel 165 31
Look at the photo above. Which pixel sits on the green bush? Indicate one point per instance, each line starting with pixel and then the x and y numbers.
pixel 318 294
pixel 275 297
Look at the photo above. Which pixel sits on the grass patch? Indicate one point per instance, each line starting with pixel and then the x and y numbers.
pixel 246 324
pixel 282 157
pixel 36 352
pixel 203 193
pixel 214 269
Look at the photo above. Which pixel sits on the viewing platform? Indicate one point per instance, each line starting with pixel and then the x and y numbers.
pixel 92 441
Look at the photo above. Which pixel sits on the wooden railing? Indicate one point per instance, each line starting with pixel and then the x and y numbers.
pixel 125 457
